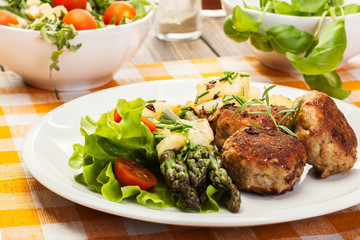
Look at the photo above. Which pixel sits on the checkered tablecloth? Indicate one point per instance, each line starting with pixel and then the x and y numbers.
pixel 30 211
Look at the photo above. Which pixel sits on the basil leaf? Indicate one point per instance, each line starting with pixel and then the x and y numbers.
pixel 232 33
pixel 263 3
pixel 287 38
pixel 336 2
pixel 269 8
pixel 286 9
pixel 242 22
pixel 326 55
pixel 309 6
pixel 351 8
pixel 250 7
pixel 329 83
pixel 261 42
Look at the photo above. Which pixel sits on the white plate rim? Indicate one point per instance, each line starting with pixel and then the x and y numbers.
pixel 163 216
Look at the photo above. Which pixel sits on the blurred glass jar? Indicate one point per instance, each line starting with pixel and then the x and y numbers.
pixel 178 20
pixel 212 8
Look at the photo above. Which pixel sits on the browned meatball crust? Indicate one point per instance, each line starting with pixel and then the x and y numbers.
pixel 264 161
pixel 329 140
pixel 229 122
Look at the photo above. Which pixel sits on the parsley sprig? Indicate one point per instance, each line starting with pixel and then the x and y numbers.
pixel 59 34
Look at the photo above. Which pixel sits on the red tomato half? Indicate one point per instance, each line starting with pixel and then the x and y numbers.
pixel 147 122
pixel 130 173
pixel 70 4
pixel 80 19
pixel 7 18
pixel 120 9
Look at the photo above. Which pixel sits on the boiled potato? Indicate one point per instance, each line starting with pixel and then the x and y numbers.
pixel 207 106
pixel 158 107
pixel 254 92
pixel 280 100
pixel 213 85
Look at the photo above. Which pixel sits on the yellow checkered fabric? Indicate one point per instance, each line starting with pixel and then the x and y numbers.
pixel 30 211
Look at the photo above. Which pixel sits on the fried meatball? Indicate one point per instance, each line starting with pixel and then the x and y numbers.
pixel 329 140
pixel 264 161
pixel 229 122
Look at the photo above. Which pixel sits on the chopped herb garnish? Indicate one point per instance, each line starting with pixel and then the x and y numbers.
pixel 242 91
pixel 244 75
pixel 200 96
pixel 181 114
pixel 234 76
pixel 158 136
pixel 226 100
pixel 241 100
pixel 184 124
pixel 216 95
pixel 176 127
pixel 214 107
pixel 229 76
pixel 185 107
pixel 166 121
pixel 183 131
pixel 151 101
pixel 159 126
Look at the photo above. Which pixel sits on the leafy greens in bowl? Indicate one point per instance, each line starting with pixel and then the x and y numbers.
pixel 312 37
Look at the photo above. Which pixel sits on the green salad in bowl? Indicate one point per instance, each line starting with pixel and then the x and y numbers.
pixel 71 45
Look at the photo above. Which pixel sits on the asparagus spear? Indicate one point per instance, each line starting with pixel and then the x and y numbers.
pixel 177 178
pixel 186 173
pixel 198 163
pixel 221 180
pixel 232 199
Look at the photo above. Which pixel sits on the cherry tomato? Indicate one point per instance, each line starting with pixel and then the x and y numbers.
pixel 7 18
pixel 147 122
pixel 130 173
pixel 70 4
pixel 80 19
pixel 120 9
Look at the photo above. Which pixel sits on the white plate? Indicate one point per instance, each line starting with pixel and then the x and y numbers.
pixel 48 146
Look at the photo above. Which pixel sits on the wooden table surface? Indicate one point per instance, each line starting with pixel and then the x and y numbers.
pixel 212 43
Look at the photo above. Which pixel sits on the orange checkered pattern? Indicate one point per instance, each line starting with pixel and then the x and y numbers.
pixel 30 211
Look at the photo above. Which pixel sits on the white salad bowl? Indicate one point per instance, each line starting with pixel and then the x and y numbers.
pixel 102 53
pixel 279 62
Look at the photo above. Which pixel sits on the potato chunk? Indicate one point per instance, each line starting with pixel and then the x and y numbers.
pixel 280 100
pixel 215 85
pixel 153 110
